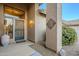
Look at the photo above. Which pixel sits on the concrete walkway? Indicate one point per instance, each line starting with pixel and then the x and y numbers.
pixel 71 50
pixel 18 49
pixel 42 50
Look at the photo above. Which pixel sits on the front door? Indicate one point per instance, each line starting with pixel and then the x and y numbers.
pixel 14 27
pixel 19 30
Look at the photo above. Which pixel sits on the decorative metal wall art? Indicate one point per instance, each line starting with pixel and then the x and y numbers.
pixel 50 23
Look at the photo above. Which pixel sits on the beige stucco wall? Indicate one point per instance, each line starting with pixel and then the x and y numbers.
pixel 59 26
pixel 1 20
pixel 40 26
pixel 37 31
pixel 31 16
pixel 51 41
pixel 54 35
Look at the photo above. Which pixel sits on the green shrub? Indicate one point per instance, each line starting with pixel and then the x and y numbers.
pixel 69 35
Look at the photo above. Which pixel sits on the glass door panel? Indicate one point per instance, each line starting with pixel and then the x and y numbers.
pixel 8 26
pixel 19 30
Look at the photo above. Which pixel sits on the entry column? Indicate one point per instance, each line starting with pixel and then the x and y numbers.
pixel 54 27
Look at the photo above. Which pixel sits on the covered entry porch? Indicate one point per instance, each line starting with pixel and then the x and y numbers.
pixel 40 28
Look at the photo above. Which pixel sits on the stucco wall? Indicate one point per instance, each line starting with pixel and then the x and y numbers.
pixel 51 35
pixel 37 31
pixel 31 16
pixel 54 35
pixel 40 26
pixel 59 26
pixel 1 20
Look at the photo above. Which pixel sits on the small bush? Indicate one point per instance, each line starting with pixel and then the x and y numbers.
pixel 69 35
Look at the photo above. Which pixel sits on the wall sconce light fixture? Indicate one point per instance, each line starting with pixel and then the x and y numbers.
pixel 31 23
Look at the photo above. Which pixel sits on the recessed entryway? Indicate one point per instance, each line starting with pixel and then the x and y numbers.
pixel 14 23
